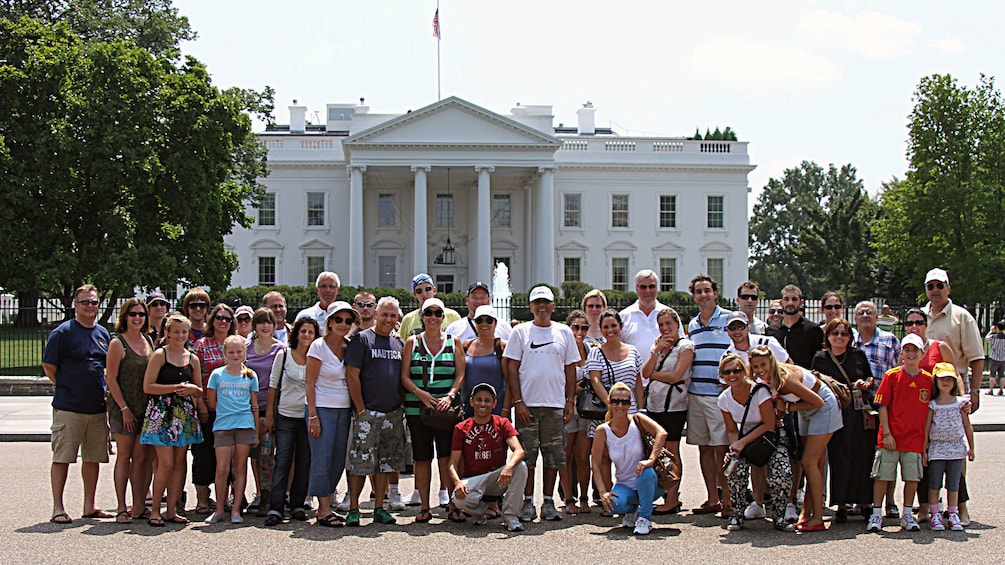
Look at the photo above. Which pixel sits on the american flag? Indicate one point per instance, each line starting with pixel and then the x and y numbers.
pixel 436 24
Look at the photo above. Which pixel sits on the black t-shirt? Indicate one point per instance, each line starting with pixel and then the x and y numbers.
pixel 378 359
pixel 802 340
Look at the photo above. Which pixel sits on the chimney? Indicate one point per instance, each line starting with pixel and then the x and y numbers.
pixel 362 108
pixel 587 126
pixel 298 118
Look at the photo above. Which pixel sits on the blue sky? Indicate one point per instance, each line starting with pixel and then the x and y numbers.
pixel 825 81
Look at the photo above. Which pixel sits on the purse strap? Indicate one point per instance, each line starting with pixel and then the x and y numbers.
pixel 279 384
pixel 746 408
pixel 610 369
pixel 673 387
pixel 840 367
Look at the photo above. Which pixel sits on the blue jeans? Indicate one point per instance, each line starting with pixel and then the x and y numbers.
pixel 328 451
pixel 640 499
pixel 292 447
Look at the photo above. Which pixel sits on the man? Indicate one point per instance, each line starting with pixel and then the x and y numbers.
pixel 365 304
pixel 799 336
pixel 705 426
pixel 464 329
pixel 275 301
pixel 195 306
pixel 742 341
pixel 480 443
pixel 639 326
pixel 74 360
pixel 423 288
pixel 157 307
pixel 327 286
pixel 542 379
pixel 747 297
pixel 377 441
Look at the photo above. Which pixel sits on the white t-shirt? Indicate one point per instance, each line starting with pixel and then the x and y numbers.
pixel 462 329
pixel 771 343
pixel 543 353
pixel 735 409
pixel 809 381
pixel 293 396
pixel 331 389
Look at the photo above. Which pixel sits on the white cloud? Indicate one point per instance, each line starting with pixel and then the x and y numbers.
pixel 747 63
pixel 948 45
pixel 871 34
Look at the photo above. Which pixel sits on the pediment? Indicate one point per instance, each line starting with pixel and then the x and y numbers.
pixel 716 247
pixel 452 122
pixel 620 245
pixel 316 244
pixel 573 246
pixel 265 243
pixel 668 247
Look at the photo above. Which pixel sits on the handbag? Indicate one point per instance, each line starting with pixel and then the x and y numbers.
pixel 759 451
pixel 439 420
pixel 660 387
pixel 841 391
pixel 589 405
pixel 667 467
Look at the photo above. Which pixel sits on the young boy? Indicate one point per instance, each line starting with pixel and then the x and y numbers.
pixel 902 401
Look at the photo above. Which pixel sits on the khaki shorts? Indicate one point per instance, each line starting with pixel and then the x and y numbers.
pixel 378 443
pixel 884 465
pixel 705 425
pixel 227 438
pixel 73 432
pixel 545 433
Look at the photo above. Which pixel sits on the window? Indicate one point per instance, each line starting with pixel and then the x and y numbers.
pixel 715 212
pixel 387 265
pixel 267 209
pixel 445 283
pixel 340 114
pixel 315 266
pixel 571 269
pixel 619 273
pixel 315 208
pixel 619 210
pixel 668 274
pixel 387 211
pixel 668 211
pixel 715 269
pixel 266 271
pixel 444 210
pixel 501 211
pixel 572 210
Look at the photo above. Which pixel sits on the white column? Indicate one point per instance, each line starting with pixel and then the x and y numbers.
pixel 356 225
pixel 529 267
pixel 483 251
pixel 420 250
pixel 545 218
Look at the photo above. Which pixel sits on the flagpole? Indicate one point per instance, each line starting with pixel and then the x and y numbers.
pixel 438 96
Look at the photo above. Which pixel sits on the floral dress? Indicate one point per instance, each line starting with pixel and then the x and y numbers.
pixel 171 419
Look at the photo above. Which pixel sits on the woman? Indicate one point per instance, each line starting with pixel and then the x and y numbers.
pixel 832 306
pixel 173 380
pixel 194 305
pixel 125 365
pixel 620 440
pixel 819 417
pixel 209 349
pixel 749 404
pixel 484 362
pixel 775 312
pixel 615 361
pixel 285 415
pixel 577 443
pixel 668 369
pixel 243 316
pixel 329 408
pixel 594 303
pixel 852 448
pixel 430 367
pixel 263 348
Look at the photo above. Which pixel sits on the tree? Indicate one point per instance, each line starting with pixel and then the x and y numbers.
pixel 949 210
pixel 811 228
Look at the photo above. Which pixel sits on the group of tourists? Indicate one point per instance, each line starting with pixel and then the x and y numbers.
pixel 365 390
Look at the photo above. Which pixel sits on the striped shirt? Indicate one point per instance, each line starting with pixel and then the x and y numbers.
pixel 439 368
pixel 997 341
pixel 883 353
pixel 710 342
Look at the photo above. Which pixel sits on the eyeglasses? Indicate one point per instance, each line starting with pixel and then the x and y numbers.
pixel 579 327
pixel 621 401
pixel 732 371
pixel 198 305
pixel 775 311
pixel 137 314
pixel 423 290
pixel 341 320
pixel 244 319
pixel 933 286
pixel 833 307
pixel 909 323
pixel 433 313
pixel 88 302
pixel 747 297
pixel 485 320
pixel 365 304
pixel 328 286
pixel 736 327
pixel 222 318
pixel 840 334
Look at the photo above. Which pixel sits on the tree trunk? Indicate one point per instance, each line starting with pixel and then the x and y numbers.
pixel 27 312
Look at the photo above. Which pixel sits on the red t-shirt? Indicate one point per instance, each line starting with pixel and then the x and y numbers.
pixel 906 399
pixel 482 446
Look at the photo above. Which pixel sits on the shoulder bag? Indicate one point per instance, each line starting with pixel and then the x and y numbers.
pixel 759 451
pixel 841 391
pixel 667 467
pixel 589 405
pixel 439 420
pixel 660 386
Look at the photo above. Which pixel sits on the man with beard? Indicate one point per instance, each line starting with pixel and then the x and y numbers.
pixel 799 336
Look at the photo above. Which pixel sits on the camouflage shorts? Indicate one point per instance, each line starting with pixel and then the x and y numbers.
pixel 379 443
pixel 544 432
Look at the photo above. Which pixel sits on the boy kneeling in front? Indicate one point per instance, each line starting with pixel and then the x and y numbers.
pixel 478 463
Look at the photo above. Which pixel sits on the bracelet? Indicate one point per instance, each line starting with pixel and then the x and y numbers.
pixel 313 418
pixel 517 401
pixel 123 408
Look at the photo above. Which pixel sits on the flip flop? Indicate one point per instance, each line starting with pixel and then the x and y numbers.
pixel 99 514
pixel 203 510
pixel 584 508
pixel 570 506
pixel 177 520
pixel 143 516
pixel 61 518
pixel 155 522
pixel 124 517
pixel 492 514
pixel 456 515
pixel 669 511
pixel 332 520
pixel 424 516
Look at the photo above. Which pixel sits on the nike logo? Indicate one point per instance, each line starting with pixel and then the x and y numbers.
pixel 537 345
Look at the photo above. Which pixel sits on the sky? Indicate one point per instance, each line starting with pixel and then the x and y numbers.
pixel 823 81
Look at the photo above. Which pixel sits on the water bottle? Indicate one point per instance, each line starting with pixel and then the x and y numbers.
pixel 731 465
pixel 856 399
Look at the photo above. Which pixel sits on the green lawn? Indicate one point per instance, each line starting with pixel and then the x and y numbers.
pixel 21 350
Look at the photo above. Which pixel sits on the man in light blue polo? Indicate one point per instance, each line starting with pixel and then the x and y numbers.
pixel 705 426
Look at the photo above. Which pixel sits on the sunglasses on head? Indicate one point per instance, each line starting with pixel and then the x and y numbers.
pixel 910 323
pixel 937 285
pixel 484 320
pixel 621 401
pixel 732 371
pixel 88 302
pixel 139 314
pixel 579 327
pixel 365 304
pixel 340 320
pixel 833 307
pixel 433 313
pixel 222 318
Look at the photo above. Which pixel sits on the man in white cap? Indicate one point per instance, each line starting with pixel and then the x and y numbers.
pixel 464 329
pixel 541 376
pixel 740 333
pixel 423 289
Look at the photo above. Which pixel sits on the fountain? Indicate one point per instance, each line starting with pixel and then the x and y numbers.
pixel 501 293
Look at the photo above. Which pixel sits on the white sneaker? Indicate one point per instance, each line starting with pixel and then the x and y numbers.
pixel 415 499
pixel 754 511
pixel 909 524
pixel 935 523
pixel 628 520
pixel 734 525
pixel 396 503
pixel 513 524
pixel 791 514
pixel 444 499
pixel 642 527
pixel 214 518
pixel 875 523
pixel 955 524
pixel 344 505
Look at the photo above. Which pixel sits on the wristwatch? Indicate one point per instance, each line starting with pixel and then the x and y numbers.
pixel 452 395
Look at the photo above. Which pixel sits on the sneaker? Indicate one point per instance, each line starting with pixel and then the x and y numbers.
pixel 396 503
pixel 549 512
pixel 935 523
pixel 642 526
pixel 352 518
pixel 875 523
pixel 415 500
pixel 513 524
pixel 909 524
pixel 791 514
pixel 528 512
pixel 381 516
pixel 344 505
pixel 235 518
pixel 214 518
pixel 299 514
pixel 783 526
pixel 444 499
pixel 754 511
pixel 955 523
pixel 628 520
pixel 892 512
pixel 734 524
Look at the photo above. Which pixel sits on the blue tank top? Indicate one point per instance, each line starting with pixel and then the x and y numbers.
pixel 483 369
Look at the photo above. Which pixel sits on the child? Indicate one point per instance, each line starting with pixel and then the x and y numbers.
pixel 902 401
pixel 948 421
pixel 233 393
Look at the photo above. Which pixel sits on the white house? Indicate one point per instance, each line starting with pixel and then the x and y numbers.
pixel 452 188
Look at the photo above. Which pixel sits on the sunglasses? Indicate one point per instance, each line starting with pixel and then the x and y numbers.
pixel 933 286
pixel 328 286
pixel 158 304
pixel 222 318
pixel 366 304
pixel 579 327
pixel 864 313
pixel 833 307
pixel 341 320
pixel 433 313
pixel 776 311
pixel 748 297
pixel 199 305
pixel 244 319
pixel 840 334
pixel 137 314
pixel 647 286
pixel 732 371
pixel 621 401
pixel 736 327
pixel 88 302
pixel 423 290
pixel 909 323
pixel 485 320
pixel 594 305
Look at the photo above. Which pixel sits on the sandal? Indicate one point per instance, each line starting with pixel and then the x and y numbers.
pixel 176 519
pixel 203 510
pixel 124 517
pixel 570 506
pixel 332 520
pixel 584 507
pixel 143 515
pixel 424 516
pixel 61 518
pixel 98 514
pixel 155 522
pixel 456 515
pixel 492 514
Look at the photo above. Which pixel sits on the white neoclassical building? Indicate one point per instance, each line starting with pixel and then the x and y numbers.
pixel 452 189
